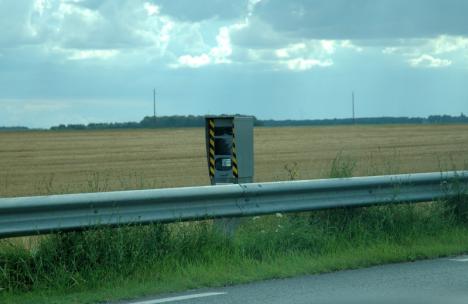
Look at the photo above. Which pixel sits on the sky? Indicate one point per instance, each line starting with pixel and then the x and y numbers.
pixel 82 61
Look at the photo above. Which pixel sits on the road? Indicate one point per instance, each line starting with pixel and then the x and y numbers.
pixel 432 281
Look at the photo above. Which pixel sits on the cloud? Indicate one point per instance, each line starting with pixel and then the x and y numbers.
pixel 257 34
pixel 17 26
pixel 125 25
pixel 92 54
pixel 83 24
pixel 90 4
pixel 429 62
pixel 193 61
pixel 223 49
pixel 449 44
pixel 301 64
pixel 426 52
pixel 151 9
pixel 151 31
pixel 365 19
pixel 304 56
pixel 195 11
pixel 219 54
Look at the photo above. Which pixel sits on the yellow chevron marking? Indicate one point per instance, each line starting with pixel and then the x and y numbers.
pixel 234 161
pixel 212 161
pixel 212 125
pixel 234 170
pixel 212 134
pixel 212 171
pixel 212 142
pixel 212 152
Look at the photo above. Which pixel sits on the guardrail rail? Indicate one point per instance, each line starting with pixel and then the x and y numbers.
pixel 20 216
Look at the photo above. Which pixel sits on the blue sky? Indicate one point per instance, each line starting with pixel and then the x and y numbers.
pixel 72 61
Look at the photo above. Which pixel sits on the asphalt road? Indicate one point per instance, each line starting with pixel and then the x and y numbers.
pixel 433 281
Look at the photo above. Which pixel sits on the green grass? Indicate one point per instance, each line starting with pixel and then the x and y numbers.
pixel 105 264
pixel 126 262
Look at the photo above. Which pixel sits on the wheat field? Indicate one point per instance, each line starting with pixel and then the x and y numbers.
pixel 45 162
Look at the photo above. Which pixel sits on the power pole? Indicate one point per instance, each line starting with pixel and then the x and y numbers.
pixel 352 98
pixel 154 104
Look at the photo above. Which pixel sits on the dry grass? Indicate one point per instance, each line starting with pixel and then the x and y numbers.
pixel 45 162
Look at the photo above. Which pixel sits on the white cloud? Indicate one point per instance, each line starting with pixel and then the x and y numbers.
pixel 85 15
pixel 426 52
pixel 328 46
pixel 41 5
pixel 193 61
pixel 139 31
pixel 347 44
pixel 218 54
pixel 300 56
pixel 429 62
pixel 166 29
pixel 301 64
pixel 251 6
pixel 291 50
pixel 306 55
pixel 448 44
pixel 151 9
pixel 221 52
pixel 92 54
pixel 282 53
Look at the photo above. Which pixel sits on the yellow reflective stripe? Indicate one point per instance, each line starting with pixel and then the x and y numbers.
pixel 212 161
pixel 212 134
pixel 212 125
pixel 212 152
pixel 212 170
pixel 234 170
pixel 212 142
pixel 234 161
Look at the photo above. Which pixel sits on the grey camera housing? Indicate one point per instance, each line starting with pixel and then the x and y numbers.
pixel 229 147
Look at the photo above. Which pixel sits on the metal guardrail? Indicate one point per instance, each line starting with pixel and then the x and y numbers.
pixel 22 216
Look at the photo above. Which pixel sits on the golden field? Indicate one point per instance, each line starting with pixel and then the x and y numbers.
pixel 44 162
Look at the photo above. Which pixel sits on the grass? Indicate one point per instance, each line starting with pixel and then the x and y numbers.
pixel 125 262
pixel 222 272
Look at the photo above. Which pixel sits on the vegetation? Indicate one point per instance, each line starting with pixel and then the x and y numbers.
pixel 433 119
pixel 94 265
pixel 180 121
pixel 175 121
pixel 89 266
pixel 179 256
pixel 40 162
pixel 17 128
pixel 199 121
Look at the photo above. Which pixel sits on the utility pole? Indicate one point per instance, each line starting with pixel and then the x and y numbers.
pixel 352 98
pixel 154 104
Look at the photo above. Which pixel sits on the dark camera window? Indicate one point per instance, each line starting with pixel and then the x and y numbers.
pixel 223 131
pixel 223 146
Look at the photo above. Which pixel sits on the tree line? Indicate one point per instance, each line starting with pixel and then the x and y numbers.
pixel 178 121
pixel 199 121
